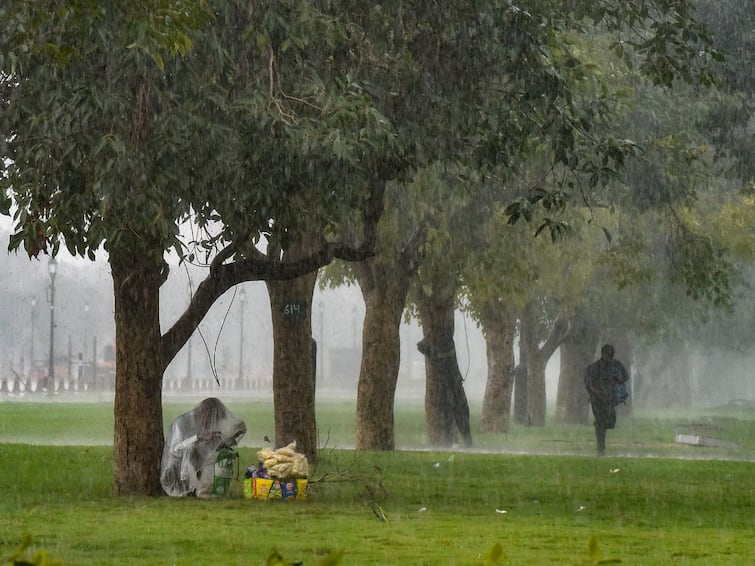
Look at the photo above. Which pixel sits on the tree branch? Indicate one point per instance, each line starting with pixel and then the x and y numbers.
pixel 259 267
pixel 557 335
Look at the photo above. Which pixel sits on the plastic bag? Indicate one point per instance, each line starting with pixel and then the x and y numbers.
pixel 194 444
pixel 284 463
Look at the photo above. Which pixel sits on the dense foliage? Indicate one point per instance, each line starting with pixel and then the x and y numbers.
pixel 278 122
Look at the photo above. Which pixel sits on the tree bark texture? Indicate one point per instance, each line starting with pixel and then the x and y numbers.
pixel 138 433
pixel 535 382
pixel 294 364
pixel 577 351
pixel 384 288
pixel 445 399
pixel 499 331
pixel 537 358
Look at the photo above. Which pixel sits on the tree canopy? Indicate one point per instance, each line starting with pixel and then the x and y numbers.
pixel 122 121
pixel 264 121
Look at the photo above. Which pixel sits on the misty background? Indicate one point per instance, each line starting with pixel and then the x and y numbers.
pixel 234 342
pixel 84 321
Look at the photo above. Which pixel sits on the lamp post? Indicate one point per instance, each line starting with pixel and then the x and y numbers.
pixel 82 375
pixel 86 325
pixel 242 302
pixel 33 336
pixel 52 268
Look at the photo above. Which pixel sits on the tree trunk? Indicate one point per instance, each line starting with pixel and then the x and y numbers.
pixel 536 398
pixel 537 358
pixel 577 351
pixel 142 353
pixel 384 290
pixel 500 331
pixel 138 436
pixel 520 385
pixel 293 363
pixel 445 399
pixel 535 381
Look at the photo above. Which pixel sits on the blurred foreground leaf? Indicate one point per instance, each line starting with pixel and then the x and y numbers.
pixel 39 558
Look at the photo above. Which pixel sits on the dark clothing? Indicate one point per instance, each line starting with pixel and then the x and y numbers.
pixel 601 379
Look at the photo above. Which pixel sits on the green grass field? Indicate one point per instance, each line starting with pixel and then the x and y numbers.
pixel 546 500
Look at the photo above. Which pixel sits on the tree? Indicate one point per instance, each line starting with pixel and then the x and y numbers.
pixel 122 122
pixel 593 176
pixel 384 281
pixel 497 281
pixel 499 329
pixel 480 118
pixel 449 110
pixel 572 403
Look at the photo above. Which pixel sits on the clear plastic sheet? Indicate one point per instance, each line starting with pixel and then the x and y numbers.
pixel 192 446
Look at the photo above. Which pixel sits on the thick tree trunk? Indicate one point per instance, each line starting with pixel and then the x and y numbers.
pixel 445 399
pixel 577 351
pixel 142 353
pixel 384 290
pixel 138 435
pixel 293 363
pixel 500 331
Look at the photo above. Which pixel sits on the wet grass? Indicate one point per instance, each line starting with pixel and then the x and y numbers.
pixel 451 507
pixel 644 433
pixel 440 508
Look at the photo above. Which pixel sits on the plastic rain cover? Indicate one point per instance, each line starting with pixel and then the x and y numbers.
pixel 193 444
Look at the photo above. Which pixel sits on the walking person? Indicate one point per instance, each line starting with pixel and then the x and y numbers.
pixel 604 380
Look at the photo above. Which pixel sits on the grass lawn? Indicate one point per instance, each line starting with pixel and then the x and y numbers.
pixel 684 505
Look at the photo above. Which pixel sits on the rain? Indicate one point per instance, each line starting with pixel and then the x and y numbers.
pixel 596 214
pixel 387 261
pixel 231 353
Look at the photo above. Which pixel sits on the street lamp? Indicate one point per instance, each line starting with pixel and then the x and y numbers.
pixel 242 302
pixel 86 326
pixel 52 268
pixel 82 377
pixel 33 335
